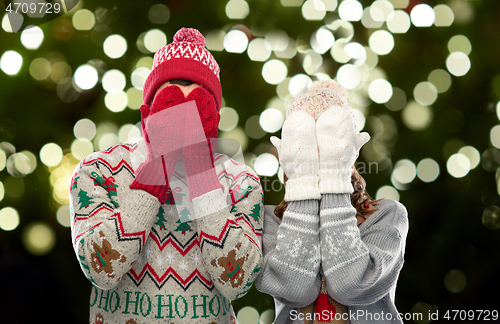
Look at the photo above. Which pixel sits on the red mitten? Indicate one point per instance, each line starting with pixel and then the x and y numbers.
pixel 201 124
pixel 162 126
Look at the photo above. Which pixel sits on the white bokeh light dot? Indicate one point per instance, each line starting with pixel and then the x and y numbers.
pixel 32 37
pixel 274 71
pixel 349 76
pixel 381 42
pixel 115 46
pixel 237 9
pixel 350 10
pixel 12 22
pixel 267 317
pixel 495 136
pixel 116 102
pixel 228 119
pixel 299 84
pixel 114 81
pixel 51 154
pixel 154 40
pixel 355 51
pixel 458 165
pixel 422 15
pixel 380 10
pixel 258 51
pixel 83 19
pixel 11 62
pixel 498 110
pixel 271 120
pixel 63 216
pixel 444 16
pixel 107 140
pixel 387 192
pixel 441 79
pixel 338 52
pixel 380 91
pixel 398 22
pixel 139 76
pixel 460 43
pixel 313 10
pixel 235 41
pixel 425 93
pixel 322 40
pixel 472 154
pixel 9 219
pixel 266 164
pixel 84 129
pixel 405 171
pixel 86 76
pixel 81 148
pixel 458 64
pixel 427 170
pixel 416 117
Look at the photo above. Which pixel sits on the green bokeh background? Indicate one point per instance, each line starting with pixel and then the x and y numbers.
pixel 446 227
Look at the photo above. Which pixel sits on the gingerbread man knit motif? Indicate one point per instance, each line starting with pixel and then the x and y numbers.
pixel 152 263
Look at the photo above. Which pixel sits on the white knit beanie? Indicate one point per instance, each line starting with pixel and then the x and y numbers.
pixel 319 97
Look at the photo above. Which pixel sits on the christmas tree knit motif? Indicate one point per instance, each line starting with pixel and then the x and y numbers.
pixel 255 213
pixel 161 218
pixel 184 222
pixel 83 199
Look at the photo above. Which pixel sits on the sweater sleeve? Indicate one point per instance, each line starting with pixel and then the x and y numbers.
pixel 230 236
pixel 290 270
pixel 360 269
pixel 109 224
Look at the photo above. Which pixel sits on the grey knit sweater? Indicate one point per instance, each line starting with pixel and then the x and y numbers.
pixel 361 264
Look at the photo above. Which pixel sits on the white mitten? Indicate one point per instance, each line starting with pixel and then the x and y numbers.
pixel 298 155
pixel 339 142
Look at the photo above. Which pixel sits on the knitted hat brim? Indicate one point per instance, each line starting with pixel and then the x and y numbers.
pixel 182 68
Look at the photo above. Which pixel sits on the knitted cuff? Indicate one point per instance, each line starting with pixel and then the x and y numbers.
pixel 335 181
pixel 150 177
pixel 302 188
pixel 335 201
pixel 335 208
pixel 210 203
pixel 159 191
pixel 202 183
pixel 144 206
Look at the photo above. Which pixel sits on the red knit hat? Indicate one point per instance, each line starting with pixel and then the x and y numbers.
pixel 185 58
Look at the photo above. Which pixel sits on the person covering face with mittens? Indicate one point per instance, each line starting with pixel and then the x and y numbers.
pixel 166 230
pixel 332 254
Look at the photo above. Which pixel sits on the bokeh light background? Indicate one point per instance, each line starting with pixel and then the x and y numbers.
pixel 422 75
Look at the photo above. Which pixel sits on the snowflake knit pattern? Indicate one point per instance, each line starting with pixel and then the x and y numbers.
pixel 152 263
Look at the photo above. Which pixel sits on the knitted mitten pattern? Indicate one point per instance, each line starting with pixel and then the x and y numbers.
pixel 298 155
pixel 339 142
pixel 162 126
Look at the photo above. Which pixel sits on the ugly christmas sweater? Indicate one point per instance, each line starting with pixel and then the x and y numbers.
pixel 152 263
